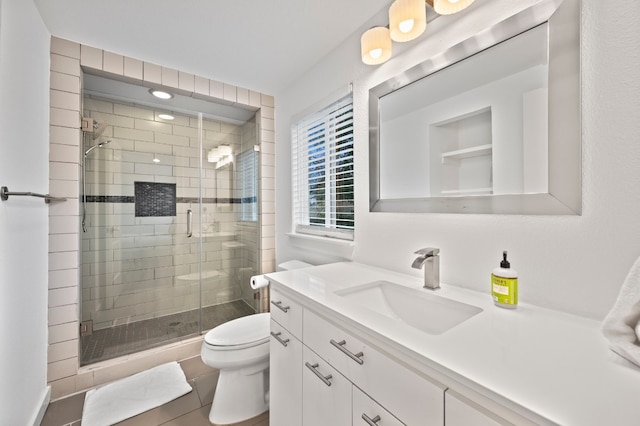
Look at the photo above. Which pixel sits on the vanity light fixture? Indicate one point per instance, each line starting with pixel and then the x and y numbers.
pixel 161 94
pixel 375 46
pixel 407 21
pixel 447 7
pixel 166 117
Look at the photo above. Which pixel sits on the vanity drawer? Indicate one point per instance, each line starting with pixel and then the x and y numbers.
pixel 366 411
pixel 286 312
pixel 410 397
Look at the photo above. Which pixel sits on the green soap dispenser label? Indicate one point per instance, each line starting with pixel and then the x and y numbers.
pixel 504 290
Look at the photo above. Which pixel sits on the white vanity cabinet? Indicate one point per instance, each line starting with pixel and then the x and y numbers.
pixel 329 377
pixel 285 362
pixel 326 394
pixel 408 396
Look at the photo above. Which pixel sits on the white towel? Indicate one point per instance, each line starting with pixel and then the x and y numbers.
pixel 621 326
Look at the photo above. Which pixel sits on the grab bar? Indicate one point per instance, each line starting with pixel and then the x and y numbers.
pixel 5 193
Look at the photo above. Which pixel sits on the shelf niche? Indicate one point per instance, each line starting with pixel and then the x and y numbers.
pixel 461 155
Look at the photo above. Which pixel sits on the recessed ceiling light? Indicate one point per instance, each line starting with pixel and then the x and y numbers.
pixel 160 94
pixel 166 116
pixel 156 160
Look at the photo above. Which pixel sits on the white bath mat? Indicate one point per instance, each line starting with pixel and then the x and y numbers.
pixel 133 395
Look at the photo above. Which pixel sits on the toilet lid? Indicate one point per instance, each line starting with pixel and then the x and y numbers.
pixel 240 331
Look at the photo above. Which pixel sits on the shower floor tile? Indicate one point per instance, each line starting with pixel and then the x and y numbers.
pixel 141 335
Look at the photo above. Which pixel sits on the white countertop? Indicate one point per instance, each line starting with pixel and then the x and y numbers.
pixel 555 365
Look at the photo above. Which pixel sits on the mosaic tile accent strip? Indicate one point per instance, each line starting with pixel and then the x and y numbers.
pixel 186 200
pixel 155 199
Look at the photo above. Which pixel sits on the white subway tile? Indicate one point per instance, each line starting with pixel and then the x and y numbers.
pixel 186 81
pixel 267 100
pixel 65 64
pixel 64 135
pixel 133 134
pixel 185 131
pixel 64 118
pixel 113 63
pixel 63 224
pixel 170 77
pixel 172 139
pixel 152 73
pixel 63 314
pixel 64 171
pixel 63 260
pixel 153 169
pixel 62 350
pixel 65 47
pixel 63 278
pixel 90 57
pixel 112 120
pixel 132 111
pixel 201 86
pixel 216 89
pixel 268 207
pixel 63 153
pixel 153 148
pixel 64 82
pixel 242 96
pixel 268 136
pixel 63 242
pixel 267 124
pixel 153 126
pixel 61 369
pixel 267 112
pixel 268 159
pixel 229 92
pixel 71 207
pixel 64 100
pixel 133 68
pixel 64 332
pixel 98 105
pixel 63 296
pixel 254 99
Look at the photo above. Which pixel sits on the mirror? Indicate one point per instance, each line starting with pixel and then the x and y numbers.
pixel 494 128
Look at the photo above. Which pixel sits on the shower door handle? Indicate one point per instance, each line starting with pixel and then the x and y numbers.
pixel 189 221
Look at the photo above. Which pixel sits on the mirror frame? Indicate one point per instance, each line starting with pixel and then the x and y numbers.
pixel 564 196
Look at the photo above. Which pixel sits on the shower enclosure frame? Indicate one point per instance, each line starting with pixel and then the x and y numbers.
pixel 68 60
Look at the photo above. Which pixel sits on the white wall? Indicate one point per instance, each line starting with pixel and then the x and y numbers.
pixel 24 156
pixel 576 263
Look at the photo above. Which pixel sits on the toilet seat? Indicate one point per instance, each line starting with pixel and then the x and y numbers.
pixel 244 332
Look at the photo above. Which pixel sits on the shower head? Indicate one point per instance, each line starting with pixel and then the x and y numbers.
pixel 98 129
pixel 99 145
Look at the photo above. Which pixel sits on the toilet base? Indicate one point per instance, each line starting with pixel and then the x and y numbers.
pixel 240 395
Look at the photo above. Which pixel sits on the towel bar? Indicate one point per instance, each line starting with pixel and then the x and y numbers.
pixel 5 193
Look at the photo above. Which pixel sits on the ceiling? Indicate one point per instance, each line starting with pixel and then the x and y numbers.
pixel 261 45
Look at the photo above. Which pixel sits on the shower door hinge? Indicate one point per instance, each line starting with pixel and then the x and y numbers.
pixel 86 124
pixel 86 328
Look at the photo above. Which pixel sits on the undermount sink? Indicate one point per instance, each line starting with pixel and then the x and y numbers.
pixel 416 307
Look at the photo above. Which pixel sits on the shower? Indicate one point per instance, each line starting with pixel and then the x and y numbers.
pixel 98 129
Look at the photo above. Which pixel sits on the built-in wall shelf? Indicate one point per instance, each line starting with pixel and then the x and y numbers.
pixel 232 244
pixel 461 154
pixel 470 191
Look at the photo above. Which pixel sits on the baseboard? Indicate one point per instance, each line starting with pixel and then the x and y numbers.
pixel 43 407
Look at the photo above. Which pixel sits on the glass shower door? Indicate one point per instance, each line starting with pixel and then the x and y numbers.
pixel 141 252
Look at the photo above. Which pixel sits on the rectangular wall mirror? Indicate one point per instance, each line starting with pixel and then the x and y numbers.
pixel 494 128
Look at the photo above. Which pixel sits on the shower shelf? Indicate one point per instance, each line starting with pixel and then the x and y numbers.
pixel 5 193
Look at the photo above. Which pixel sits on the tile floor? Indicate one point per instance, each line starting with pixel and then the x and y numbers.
pixel 191 409
pixel 125 339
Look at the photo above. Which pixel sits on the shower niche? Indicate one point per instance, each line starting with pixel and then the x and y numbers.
pixel 171 231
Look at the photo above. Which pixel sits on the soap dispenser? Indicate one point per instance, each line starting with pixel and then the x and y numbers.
pixel 504 285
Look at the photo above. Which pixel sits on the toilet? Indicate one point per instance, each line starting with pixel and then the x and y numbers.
pixel 240 350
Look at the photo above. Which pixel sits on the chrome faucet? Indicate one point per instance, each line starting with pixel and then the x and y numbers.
pixel 429 258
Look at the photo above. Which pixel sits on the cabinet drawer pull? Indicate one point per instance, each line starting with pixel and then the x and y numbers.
pixel 371 421
pixel 340 345
pixel 278 305
pixel 282 341
pixel 313 368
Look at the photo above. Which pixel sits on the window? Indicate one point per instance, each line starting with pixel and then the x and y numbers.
pixel 248 185
pixel 322 146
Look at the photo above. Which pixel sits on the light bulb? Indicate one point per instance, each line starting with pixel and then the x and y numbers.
pixel 406 26
pixel 160 94
pixel 375 53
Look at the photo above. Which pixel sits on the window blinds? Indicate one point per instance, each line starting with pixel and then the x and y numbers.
pixel 248 178
pixel 322 145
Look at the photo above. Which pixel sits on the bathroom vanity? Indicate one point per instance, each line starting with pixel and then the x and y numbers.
pixel 358 345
